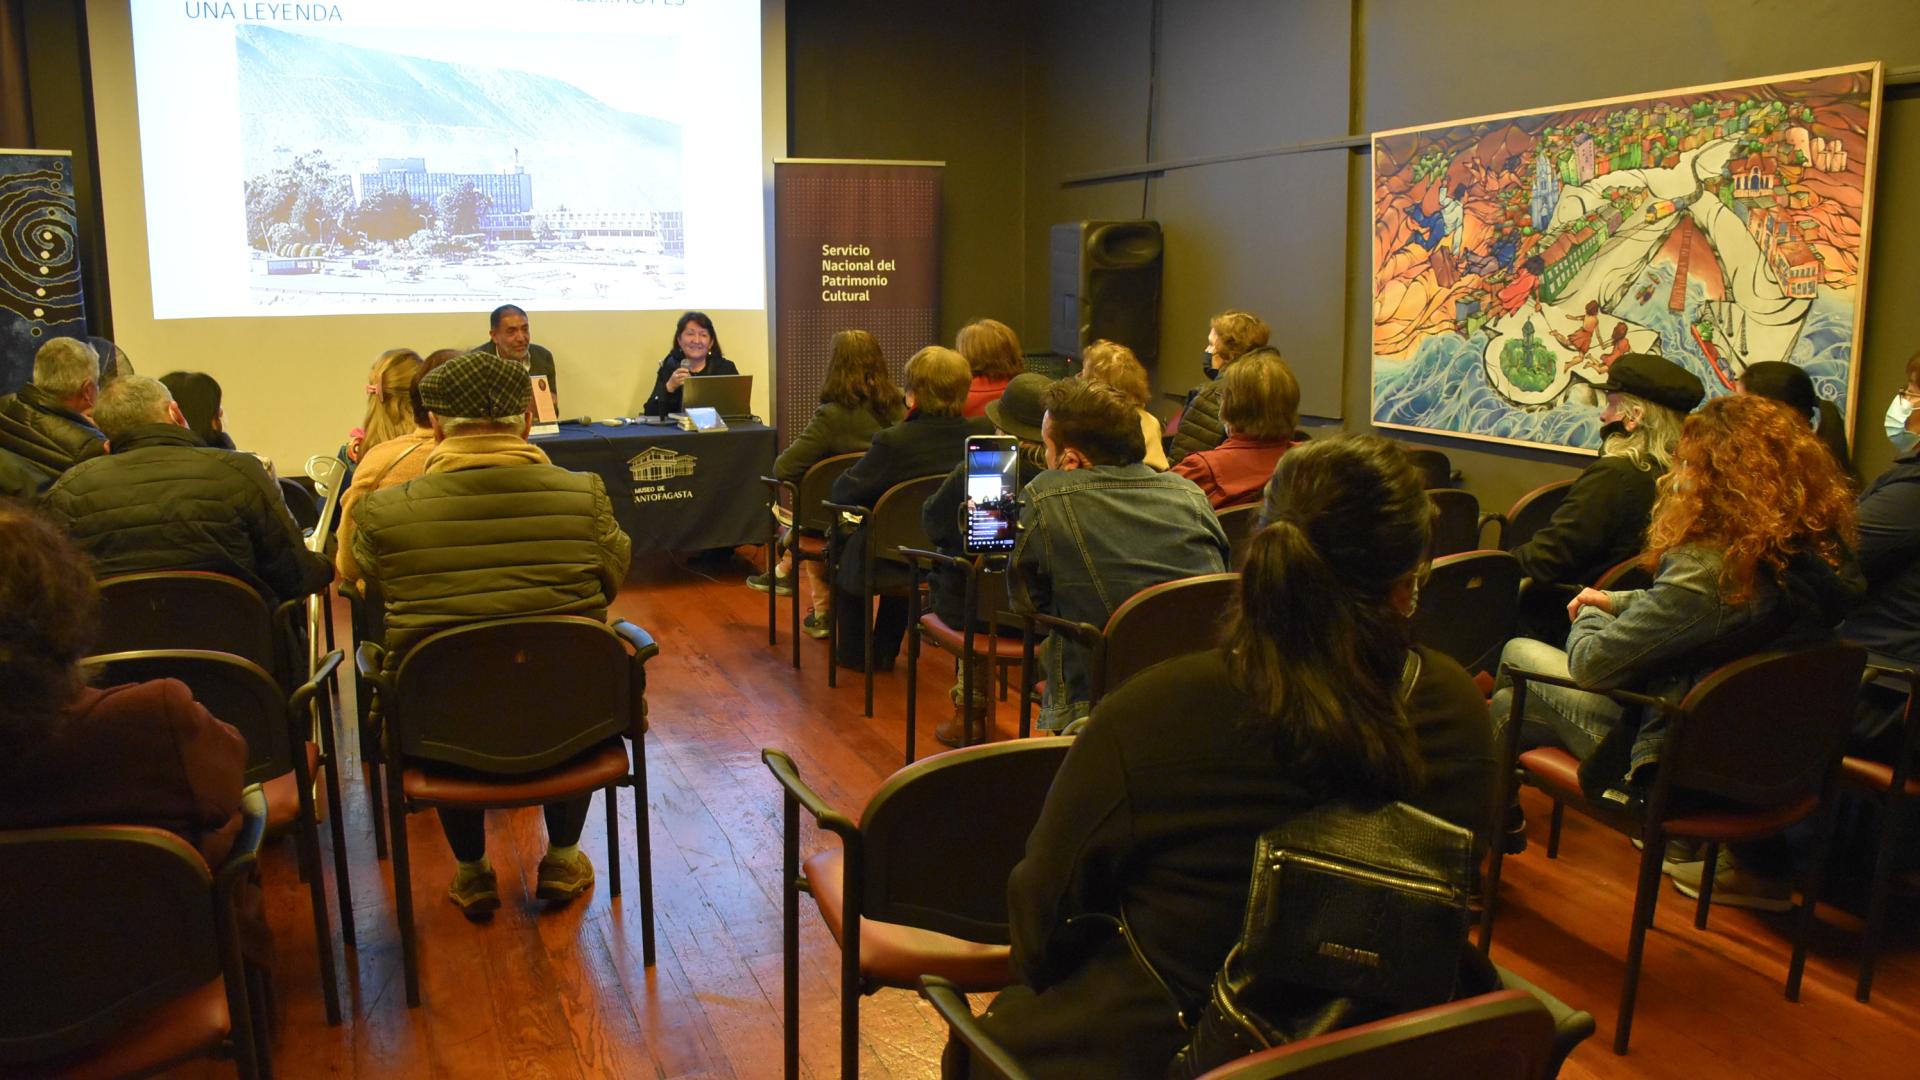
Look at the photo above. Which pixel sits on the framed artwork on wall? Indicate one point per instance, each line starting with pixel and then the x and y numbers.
pixel 1515 257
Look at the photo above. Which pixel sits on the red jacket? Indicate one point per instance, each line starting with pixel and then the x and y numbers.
pixel 1235 471
pixel 982 391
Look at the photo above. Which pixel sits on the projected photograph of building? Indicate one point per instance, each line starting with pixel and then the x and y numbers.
pixel 376 177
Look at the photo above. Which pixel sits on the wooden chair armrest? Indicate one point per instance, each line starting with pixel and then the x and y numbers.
pixel 1626 697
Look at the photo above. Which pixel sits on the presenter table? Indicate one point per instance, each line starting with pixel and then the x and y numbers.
pixel 675 490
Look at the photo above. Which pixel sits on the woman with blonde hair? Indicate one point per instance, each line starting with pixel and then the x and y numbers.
pixel 389 413
pixel 1752 547
pixel 1114 364
pixel 857 399
pixel 993 353
pixel 394 460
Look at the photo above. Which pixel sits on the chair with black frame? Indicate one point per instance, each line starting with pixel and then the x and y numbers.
pixel 1160 622
pixel 301 503
pixel 914 888
pixel 1528 514
pixel 1752 749
pixel 1624 575
pixel 1893 788
pixel 1469 607
pixel 1507 1033
pixel 989 636
pixel 1456 522
pixel 1434 466
pixel 1238 521
pixel 280 758
pixel 454 718
pixel 892 522
pixel 806 540
pixel 123 953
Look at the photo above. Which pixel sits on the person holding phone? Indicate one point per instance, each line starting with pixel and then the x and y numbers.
pixel 695 351
pixel 1017 416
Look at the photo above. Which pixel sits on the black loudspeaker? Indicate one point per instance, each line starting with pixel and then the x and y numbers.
pixel 1106 284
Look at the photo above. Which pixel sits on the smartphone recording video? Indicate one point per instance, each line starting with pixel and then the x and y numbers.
pixel 992 508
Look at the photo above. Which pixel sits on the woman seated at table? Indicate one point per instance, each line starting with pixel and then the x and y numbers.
pixel 696 351
pixel 70 754
pixel 1313 695
pixel 1752 538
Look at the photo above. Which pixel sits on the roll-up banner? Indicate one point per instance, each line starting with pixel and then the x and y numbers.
pixel 857 247
pixel 39 259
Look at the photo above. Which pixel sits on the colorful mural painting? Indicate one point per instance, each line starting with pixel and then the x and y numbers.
pixel 1515 257
pixel 39 259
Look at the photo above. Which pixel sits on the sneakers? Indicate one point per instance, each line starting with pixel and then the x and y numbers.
pixel 1678 853
pixel 563 877
pixel 1735 886
pixel 475 892
pixel 780 584
pixel 815 626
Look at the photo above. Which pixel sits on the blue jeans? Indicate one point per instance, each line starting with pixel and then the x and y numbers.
pixel 1555 715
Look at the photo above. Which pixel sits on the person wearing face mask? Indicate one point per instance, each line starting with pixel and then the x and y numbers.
pixel 1887 622
pixel 1603 519
pixel 696 351
pixel 1231 335
pixel 1098 526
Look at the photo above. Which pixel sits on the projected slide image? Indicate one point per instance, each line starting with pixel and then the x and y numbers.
pixel 385 179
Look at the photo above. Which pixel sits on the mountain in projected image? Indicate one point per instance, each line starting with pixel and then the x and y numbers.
pixel 356 105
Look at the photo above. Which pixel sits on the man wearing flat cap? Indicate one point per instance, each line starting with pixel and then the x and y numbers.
pixel 1603 520
pixel 490 529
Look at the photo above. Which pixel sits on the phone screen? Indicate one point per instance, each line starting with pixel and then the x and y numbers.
pixel 992 488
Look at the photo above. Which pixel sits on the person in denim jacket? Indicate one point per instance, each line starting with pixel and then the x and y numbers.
pixel 1098 526
pixel 1753 537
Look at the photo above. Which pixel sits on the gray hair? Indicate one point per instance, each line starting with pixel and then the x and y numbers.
pixel 475 425
pixel 64 366
pixel 129 401
pixel 1655 436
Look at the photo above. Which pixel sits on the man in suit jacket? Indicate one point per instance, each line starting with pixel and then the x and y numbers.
pixel 929 442
pixel 508 335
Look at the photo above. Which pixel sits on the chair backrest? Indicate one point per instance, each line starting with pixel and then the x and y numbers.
pixel 1766 729
pixel 187 609
pixel 1531 512
pixel 1624 575
pixel 815 485
pixel 1506 1035
pixel 99 925
pixel 232 688
pixel 513 696
pixel 301 503
pixel 1434 466
pixel 1161 622
pixel 942 835
pixel 895 521
pixel 1456 522
pixel 1238 522
pixel 1469 607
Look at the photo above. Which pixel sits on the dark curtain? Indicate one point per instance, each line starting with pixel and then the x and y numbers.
pixel 16 123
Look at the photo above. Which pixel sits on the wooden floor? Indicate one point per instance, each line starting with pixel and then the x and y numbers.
pixel 564 994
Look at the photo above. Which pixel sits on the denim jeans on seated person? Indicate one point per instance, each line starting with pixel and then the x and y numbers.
pixel 1575 720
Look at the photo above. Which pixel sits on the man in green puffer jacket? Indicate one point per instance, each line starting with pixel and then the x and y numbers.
pixel 491 529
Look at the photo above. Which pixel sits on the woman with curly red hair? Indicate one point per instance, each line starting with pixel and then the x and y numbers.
pixel 1752 546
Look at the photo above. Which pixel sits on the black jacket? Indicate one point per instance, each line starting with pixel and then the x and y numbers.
pixel 1200 425
pixel 539 362
pixel 834 429
pixel 163 501
pixel 1602 522
pixel 46 433
pixel 1154 813
pixel 663 401
pixel 918 446
pixel 1887 622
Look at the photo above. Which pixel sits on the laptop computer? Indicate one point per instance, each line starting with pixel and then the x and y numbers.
pixel 729 395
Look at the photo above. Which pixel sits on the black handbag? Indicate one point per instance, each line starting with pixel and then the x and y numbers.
pixel 1355 913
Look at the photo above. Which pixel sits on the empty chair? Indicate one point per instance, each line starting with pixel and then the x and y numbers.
pixel 1529 513
pixel 919 885
pixel 1761 737
pixel 1456 522
pixel 515 712
pixel 1239 522
pixel 196 609
pixel 893 522
pixel 1469 607
pixel 1434 466
pixel 121 952
pixel 806 541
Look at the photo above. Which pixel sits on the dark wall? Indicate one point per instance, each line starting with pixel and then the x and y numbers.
pixel 927 81
pixel 1289 237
